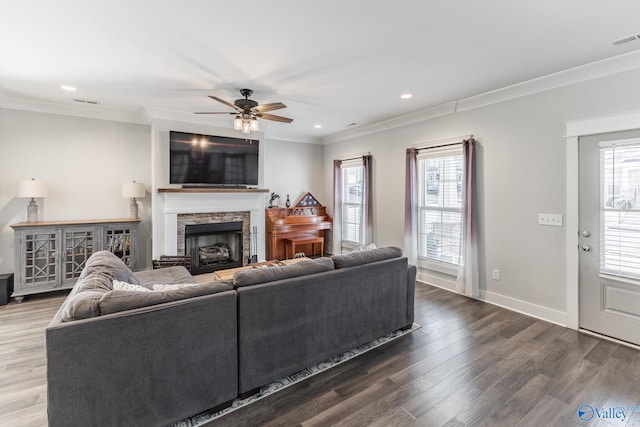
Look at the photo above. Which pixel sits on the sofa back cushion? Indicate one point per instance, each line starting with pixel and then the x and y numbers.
pixel 104 262
pixel 366 257
pixel 255 276
pixel 121 300
pixel 95 280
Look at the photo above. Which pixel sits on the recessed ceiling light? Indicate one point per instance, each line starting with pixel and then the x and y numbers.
pixel 67 87
pixel 406 96
pixel 317 126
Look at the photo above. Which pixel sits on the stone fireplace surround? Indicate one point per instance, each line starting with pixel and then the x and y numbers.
pixel 202 205
pixel 216 217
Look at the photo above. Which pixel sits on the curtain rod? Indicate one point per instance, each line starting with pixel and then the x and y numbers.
pixel 445 142
pixel 355 158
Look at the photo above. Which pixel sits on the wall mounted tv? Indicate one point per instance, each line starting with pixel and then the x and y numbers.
pixel 205 160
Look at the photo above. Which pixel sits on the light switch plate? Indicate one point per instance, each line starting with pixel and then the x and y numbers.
pixel 550 219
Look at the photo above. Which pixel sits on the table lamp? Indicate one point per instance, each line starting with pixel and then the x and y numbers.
pixel 133 190
pixel 31 188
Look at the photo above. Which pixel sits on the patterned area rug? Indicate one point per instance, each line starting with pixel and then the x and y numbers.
pixel 285 382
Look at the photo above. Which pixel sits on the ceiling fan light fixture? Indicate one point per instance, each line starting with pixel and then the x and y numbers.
pixel 237 123
pixel 254 125
pixel 247 112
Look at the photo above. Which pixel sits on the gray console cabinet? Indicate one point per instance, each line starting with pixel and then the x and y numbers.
pixel 50 255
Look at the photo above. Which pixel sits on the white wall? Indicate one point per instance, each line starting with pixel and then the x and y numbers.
pixel 295 169
pixel 521 172
pixel 84 161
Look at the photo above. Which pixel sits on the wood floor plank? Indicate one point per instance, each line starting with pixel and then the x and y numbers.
pixel 470 364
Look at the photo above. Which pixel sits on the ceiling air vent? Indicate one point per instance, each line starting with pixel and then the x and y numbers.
pixel 87 101
pixel 626 39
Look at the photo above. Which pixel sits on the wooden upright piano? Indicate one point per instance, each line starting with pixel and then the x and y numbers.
pixel 292 223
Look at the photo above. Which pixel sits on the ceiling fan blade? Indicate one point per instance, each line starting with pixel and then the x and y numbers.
pixel 268 107
pixel 274 118
pixel 225 103
pixel 212 112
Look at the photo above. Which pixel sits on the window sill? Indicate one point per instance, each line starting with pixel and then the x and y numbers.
pixel 440 267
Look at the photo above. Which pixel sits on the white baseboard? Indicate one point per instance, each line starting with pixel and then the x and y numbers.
pixel 539 312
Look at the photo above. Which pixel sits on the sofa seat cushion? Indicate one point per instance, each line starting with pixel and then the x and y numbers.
pixel 255 276
pixel 176 274
pixel 366 257
pixel 121 300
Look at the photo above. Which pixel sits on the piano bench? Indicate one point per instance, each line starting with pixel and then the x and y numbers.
pixel 292 242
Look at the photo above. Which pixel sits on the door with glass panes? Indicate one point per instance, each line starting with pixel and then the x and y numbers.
pixel 609 245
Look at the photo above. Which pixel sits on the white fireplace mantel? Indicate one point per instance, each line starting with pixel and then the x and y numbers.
pixel 193 202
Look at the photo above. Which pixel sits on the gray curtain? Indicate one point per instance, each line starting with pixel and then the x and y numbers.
pixel 367 161
pixel 410 206
pixel 337 205
pixel 467 281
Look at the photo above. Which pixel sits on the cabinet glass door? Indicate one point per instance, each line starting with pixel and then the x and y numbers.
pixel 79 244
pixel 118 241
pixel 40 258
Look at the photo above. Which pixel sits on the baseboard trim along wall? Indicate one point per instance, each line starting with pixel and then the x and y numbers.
pixel 543 313
pixel 539 312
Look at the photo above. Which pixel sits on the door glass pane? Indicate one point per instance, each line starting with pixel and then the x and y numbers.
pixel 620 208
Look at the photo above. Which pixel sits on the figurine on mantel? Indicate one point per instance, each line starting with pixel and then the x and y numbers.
pixel 273 198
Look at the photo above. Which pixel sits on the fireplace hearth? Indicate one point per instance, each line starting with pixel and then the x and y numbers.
pixel 214 246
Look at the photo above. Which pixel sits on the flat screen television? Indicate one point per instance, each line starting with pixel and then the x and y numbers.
pixel 206 160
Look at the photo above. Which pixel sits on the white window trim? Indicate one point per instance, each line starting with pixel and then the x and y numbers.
pixel 439 266
pixel 349 245
pixel 427 263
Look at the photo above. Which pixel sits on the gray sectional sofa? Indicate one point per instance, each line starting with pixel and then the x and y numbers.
pixel 136 357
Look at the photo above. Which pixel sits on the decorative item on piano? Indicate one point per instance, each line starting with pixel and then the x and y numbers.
pixel 273 198
pixel 308 200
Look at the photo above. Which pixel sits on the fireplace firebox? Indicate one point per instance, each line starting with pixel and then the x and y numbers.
pixel 214 246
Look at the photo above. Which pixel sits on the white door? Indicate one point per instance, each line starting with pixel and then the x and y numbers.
pixel 610 234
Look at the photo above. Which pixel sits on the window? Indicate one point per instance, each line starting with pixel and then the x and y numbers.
pixel 440 205
pixel 620 213
pixel 353 204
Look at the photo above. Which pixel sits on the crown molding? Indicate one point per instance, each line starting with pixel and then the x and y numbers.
pixel 407 119
pixel 97 112
pixel 606 67
pixel 163 114
pixel 617 64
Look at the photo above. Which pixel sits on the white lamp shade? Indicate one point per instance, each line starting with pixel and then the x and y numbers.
pixel 32 188
pixel 133 189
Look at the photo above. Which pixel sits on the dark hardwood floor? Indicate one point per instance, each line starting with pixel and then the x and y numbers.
pixel 471 364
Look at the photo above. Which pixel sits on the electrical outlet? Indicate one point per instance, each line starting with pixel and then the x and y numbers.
pixel 550 219
pixel 495 274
